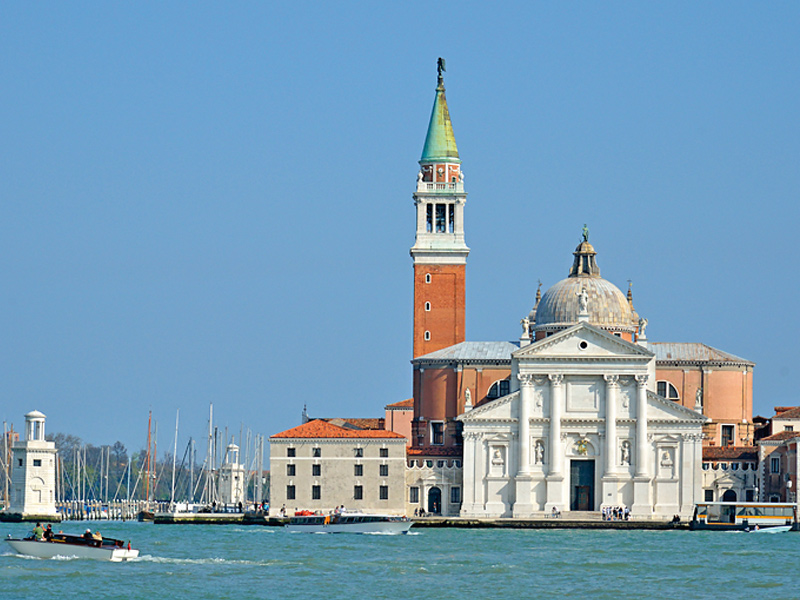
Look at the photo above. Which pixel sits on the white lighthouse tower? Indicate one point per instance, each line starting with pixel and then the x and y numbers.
pixel 33 482
pixel 231 480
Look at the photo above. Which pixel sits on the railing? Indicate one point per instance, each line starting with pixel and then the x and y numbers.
pixel 425 186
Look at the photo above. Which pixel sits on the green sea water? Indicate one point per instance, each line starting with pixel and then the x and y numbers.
pixel 199 561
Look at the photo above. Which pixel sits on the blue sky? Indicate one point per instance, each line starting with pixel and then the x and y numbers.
pixel 211 202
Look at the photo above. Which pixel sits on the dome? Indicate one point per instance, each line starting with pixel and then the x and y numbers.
pixel 606 305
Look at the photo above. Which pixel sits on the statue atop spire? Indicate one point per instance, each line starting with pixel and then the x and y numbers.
pixel 585 233
pixel 440 69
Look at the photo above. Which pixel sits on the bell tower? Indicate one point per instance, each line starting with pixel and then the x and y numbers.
pixel 439 252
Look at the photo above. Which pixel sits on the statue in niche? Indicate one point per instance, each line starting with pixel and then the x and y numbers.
pixel 698 397
pixel 626 453
pixel 497 458
pixel 538 453
pixel 666 459
pixel 467 398
pixel 583 300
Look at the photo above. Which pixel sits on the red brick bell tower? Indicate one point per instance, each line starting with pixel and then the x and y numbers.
pixel 439 252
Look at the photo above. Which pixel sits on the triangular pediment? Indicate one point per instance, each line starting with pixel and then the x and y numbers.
pixel 661 409
pixel 581 342
pixel 502 408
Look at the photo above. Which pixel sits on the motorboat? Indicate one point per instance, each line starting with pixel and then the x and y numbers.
pixel 348 522
pixel 68 545
pixel 778 529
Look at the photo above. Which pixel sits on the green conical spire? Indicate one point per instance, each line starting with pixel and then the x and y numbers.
pixel 440 143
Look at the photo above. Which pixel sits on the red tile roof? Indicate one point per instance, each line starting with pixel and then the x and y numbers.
pixel 730 453
pixel 787 412
pixel 319 428
pixel 402 404
pixel 781 435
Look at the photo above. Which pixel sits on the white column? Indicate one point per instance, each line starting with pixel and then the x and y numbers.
pixel 421 216
pixel 525 401
pixel 641 427
pixel 612 384
pixel 556 408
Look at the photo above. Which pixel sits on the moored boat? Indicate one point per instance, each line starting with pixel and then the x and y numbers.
pixel 67 545
pixel 348 522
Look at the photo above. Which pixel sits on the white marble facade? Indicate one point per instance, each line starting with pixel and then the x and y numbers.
pixel 582 430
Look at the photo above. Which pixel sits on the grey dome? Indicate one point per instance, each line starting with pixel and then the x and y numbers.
pixel 608 307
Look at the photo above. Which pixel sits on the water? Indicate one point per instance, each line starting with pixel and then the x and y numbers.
pixel 199 561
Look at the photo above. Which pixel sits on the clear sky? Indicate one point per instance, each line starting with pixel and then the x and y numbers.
pixel 211 202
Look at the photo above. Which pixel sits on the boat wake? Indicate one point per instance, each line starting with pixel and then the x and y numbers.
pixel 207 561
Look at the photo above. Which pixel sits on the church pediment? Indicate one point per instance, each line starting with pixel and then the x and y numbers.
pixel 583 342
pixel 497 409
pixel 661 409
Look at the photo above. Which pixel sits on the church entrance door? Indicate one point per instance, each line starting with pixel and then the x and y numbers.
pixel 581 485
pixel 434 500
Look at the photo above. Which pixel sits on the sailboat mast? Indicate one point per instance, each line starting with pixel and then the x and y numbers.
pixel 174 454
pixel 147 460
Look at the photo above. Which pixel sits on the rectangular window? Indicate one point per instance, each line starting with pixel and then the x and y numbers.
pixel 437 433
pixel 37 462
pixel 384 470
pixel 384 453
pixel 413 495
pixel 384 492
pixel 451 218
pixel 317 452
pixel 358 470
pixel 316 470
pixel 290 452
pixel 19 462
pixel 358 492
pixel 455 495
pixel 290 470
pixel 316 492
pixel 290 492
pixel 727 435
pixel 775 464
pixel 788 427
pixel 749 496
pixel 359 452
pixel 429 225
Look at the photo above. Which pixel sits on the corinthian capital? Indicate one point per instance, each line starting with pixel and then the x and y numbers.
pixel 611 380
pixel 642 380
pixel 525 379
pixel 555 379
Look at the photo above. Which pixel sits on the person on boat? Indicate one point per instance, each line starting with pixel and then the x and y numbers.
pixel 97 538
pixel 38 532
pixel 87 536
pixel 48 533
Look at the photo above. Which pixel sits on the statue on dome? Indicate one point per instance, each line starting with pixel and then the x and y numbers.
pixel 583 300
pixel 642 327
pixel 526 326
pixel 585 233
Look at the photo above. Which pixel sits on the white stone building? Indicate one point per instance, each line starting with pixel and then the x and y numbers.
pixel 231 477
pixel 33 482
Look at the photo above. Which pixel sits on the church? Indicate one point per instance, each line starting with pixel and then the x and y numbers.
pixel 581 413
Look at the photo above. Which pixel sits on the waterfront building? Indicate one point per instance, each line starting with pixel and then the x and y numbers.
pixel 730 474
pixel 319 465
pixel 33 481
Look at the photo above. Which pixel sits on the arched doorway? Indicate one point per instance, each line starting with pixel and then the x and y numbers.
pixel 729 496
pixel 434 500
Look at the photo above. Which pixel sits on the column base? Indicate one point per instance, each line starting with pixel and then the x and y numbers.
pixel 555 493
pixel 523 506
pixel 609 487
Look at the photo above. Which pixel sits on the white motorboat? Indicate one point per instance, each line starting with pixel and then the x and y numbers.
pixel 348 522
pixel 68 546
pixel 778 529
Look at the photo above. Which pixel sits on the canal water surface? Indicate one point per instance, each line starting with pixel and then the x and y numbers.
pixel 202 561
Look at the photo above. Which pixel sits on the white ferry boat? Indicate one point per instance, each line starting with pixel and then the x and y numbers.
pixel 348 522
pixel 744 516
pixel 67 545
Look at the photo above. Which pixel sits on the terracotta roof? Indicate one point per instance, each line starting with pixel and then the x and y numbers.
pixel 730 453
pixel 433 452
pixel 403 404
pixel 319 428
pixel 781 435
pixel 787 412
pixel 361 423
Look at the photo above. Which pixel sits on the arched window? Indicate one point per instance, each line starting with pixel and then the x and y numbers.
pixel 729 496
pixel 499 389
pixel 666 390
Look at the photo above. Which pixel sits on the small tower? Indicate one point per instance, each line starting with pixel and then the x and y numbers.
pixel 33 482
pixel 231 477
pixel 439 252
